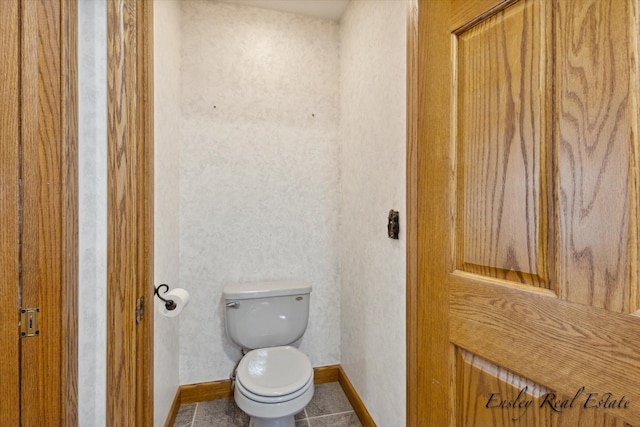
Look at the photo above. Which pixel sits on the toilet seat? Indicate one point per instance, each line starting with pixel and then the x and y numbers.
pixel 274 374
pixel 276 399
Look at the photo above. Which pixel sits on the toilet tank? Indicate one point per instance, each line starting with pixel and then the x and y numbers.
pixel 266 314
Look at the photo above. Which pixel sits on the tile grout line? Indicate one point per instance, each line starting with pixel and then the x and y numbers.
pixel 330 415
pixel 306 415
pixel 193 419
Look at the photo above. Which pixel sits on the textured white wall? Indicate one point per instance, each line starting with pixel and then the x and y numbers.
pixel 259 173
pixel 92 192
pixel 373 155
pixel 167 36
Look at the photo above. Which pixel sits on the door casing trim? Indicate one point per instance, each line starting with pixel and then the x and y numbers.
pixel 69 253
pixel 129 212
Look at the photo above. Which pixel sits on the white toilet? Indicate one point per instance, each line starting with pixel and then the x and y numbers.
pixel 273 381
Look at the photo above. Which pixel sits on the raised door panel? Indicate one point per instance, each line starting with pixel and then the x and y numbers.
pixel 488 395
pixel 502 145
pixel 587 417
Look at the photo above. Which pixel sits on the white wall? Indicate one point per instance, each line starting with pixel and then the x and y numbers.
pixel 373 155
pixel 167 36
pixel 259 172
pixel 92 193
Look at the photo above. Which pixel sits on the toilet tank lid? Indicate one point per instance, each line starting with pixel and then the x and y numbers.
pixel 239 291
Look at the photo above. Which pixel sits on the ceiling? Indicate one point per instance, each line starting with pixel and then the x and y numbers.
pixel 327 9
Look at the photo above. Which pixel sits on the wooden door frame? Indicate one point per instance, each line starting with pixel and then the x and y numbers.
pixel 412 212
pixel 130 107
pixel 129 212
pixel 70 198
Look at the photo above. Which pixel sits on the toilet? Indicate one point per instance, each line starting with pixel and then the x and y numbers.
pixel 273 380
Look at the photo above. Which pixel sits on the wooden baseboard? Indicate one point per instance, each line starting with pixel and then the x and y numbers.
pixel 326 374
pixel 222 389
pixel 173 411
pixel 358 406
pixel 202 392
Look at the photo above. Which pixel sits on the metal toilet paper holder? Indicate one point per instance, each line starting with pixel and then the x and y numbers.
pixel 169 304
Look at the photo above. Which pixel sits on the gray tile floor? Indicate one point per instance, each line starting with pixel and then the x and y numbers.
pixel 329 407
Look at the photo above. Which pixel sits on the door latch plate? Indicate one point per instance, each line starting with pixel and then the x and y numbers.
pixel 29 322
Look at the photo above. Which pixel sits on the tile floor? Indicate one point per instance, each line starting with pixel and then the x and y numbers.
pixel 329 407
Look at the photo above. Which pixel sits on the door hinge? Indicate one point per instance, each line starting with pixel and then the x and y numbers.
pixel 29 322
pixel 139 310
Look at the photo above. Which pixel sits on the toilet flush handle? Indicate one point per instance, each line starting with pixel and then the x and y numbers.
pixel 233 304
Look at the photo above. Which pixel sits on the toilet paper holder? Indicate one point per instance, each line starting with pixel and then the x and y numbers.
pixel 169 304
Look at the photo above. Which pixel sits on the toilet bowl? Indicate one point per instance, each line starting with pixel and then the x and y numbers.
pixel 274 384
pixel 273 381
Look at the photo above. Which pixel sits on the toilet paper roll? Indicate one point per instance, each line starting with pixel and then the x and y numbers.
pixel 180 297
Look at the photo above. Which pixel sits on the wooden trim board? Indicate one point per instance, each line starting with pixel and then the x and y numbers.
pixel 173 411
pixel 412 213
pixel 222 389
pixel 129 213
pixel 358 405
pixel 326 374
pixel 202 392
pixel 70 228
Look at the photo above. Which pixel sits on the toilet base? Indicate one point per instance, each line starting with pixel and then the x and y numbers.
pixel 288 421
pixel 273 414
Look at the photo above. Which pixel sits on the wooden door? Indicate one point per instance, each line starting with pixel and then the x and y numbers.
pixel 38 208
pixel 527 202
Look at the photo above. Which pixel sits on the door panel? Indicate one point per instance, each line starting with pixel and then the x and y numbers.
pixel 480 383
pixel 9 213
pixel 527 213
pixel 502 140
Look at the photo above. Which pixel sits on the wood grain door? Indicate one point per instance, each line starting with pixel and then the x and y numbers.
pixel 38 213
pixel 527 214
